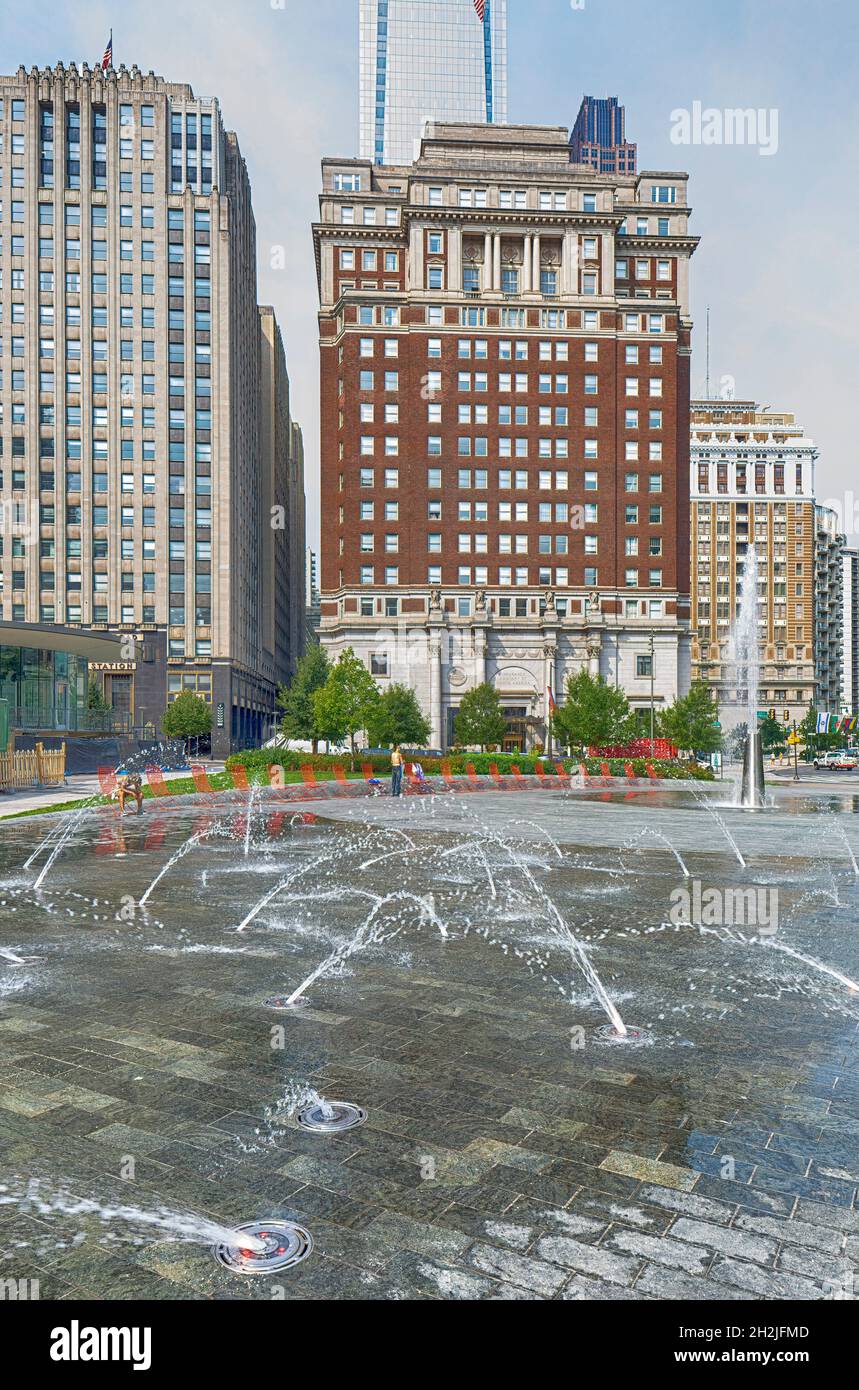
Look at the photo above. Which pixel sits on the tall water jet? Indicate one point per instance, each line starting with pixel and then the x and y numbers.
pixel 752 784
pixel 746 660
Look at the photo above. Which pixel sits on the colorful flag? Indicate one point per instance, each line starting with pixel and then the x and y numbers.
pixel 823 723
pixel 480 6
pixel 107 60
pixel 552 705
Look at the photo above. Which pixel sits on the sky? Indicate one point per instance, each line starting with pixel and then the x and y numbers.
pixel 776 228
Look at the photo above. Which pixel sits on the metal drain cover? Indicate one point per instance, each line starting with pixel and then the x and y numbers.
pixel 282 1004
pixel 634 1037
pixel 331 1117
pixel 285 1245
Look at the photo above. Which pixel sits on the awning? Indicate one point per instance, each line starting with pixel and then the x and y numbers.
pixel 94 646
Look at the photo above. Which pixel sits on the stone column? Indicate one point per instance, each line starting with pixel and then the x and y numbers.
pixel 416 270
pixel 535 275
pixel 487 262
pixel 454 259
pixel 527 266
pixel 434 652
pixel 479 655
pixel 594 649
pixel 570 264
pixel 496 261
pixel 550 652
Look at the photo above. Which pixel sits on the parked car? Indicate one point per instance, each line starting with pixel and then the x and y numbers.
pixel 836 760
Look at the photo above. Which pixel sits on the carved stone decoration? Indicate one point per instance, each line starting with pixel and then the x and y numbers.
pixel 550 601
pixel 515 678
pixel 511 253
pixel 480 601
pixel 594 602
pixel 435 600
pixel 550 256
pixel 456 676
pixel 472 252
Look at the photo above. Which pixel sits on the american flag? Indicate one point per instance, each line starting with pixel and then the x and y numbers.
pixel 480 6
pixel 107 60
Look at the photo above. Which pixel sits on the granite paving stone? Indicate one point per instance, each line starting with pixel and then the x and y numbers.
pixel 715 1159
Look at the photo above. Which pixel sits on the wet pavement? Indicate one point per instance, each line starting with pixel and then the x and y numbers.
pixel 511 1149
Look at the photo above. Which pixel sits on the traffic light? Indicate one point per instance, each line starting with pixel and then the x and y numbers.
pixel 787 716
pixel 772 714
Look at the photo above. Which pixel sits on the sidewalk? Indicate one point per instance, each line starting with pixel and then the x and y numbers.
pixel 79 787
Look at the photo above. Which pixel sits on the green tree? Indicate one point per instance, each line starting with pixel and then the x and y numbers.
pixel 480 719
pixel 95 696
pixel 347 701
pixel 691 722
pixel 398 719
pixel 594 714
pixel 773 733
pixel 188 717
pixel 296 700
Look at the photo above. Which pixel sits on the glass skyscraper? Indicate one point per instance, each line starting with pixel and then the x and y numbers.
pixel 428 60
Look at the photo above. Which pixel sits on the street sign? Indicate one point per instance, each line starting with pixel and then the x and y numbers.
pixel 793 738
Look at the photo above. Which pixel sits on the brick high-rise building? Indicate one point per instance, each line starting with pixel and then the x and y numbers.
pixel 505 343
pixel 598 137
pixel 752 482
pixel 130 388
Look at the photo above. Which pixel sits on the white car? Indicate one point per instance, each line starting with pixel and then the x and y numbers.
pixel 836 761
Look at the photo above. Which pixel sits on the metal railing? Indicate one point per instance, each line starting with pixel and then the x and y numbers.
pixel 61 720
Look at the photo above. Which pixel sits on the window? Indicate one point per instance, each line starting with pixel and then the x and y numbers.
pixel 644 666
pixel 379 664
pixel 663 193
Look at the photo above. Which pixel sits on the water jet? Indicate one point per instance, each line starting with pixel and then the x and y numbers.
pixel 284 1245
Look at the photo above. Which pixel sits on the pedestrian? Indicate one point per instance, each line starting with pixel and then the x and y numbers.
pixel 131 785
pixel 396 772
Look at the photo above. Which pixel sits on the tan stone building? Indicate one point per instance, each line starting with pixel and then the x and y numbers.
pixel 752 483
pixel 504 341
pixel 130 390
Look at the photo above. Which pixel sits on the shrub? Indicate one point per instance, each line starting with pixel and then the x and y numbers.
pixel 292 760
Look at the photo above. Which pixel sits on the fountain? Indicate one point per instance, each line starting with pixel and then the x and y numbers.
pixel 746 657
pixel 752 784
pixel 331 1117
pixel 284 1244
pixel 451 870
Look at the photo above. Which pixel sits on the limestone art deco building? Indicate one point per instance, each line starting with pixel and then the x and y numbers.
pixel 504 341
pixel 752 483
pixel 130 391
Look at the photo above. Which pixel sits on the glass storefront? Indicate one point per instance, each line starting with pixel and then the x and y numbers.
pixel 44 689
